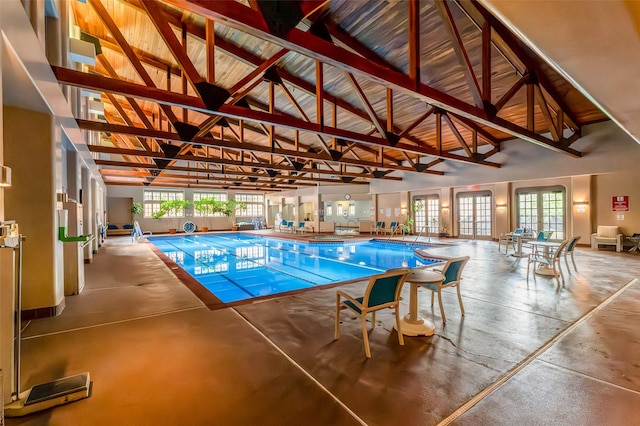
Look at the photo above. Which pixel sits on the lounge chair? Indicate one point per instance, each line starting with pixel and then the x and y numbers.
pixel 383 291
pixel 289 227
pixel 393 228
pixel 378 227
pixel 607 235
pixel 301 227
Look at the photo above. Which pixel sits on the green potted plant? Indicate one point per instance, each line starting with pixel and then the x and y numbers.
pixel 207 206
pixel 136 209
pixel 407 226
pixel 171 206
pixel 231 206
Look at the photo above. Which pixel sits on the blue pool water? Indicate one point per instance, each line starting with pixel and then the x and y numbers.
pixel 238 267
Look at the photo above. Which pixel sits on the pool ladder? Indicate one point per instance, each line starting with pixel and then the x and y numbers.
pixel 420 234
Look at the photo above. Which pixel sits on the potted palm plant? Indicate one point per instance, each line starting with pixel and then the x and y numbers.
pixel 171 207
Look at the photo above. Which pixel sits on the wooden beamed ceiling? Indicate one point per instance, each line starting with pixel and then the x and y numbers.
pixel 278 95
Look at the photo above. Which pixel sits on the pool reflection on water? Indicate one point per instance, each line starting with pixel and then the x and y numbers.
pixel 241 266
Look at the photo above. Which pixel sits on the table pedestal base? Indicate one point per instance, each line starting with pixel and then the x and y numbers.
pixel 545 271
pixel 418 328
pixel 519 254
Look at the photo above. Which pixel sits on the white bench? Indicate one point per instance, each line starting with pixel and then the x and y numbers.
pixel 607 235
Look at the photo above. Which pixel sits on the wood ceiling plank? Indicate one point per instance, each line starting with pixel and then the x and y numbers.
pixel 126 48
pixel 460 51
pixel 248 21
pixel 177 50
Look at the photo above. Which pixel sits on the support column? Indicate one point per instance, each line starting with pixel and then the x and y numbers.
pixel 32 203
pixel 88 217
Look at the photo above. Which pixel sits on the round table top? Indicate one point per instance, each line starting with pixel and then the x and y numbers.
pixel 424 276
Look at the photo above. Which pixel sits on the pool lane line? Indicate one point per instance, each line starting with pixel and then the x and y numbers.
pixel 305 253
pixel 237 284
pixel 313 283
pixel 240 287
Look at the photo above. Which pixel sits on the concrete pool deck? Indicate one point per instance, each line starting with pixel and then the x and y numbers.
pixel 526 352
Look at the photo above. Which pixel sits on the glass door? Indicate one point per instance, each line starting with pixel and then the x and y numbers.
pixel 474 215
pixel 542 209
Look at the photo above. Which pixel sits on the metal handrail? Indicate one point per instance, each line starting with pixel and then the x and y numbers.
pixel 420 234
pixel 394 229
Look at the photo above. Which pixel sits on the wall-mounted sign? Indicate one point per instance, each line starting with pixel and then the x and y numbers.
pixel 620 203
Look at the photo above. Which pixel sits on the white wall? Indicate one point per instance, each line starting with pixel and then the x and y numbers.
pixel 605 148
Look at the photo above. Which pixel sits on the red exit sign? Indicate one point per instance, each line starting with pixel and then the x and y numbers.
pixel 620 203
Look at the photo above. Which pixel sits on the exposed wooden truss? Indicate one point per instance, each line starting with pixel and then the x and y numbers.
pixel 252 132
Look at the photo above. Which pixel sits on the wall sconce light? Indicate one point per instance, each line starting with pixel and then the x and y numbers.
pixel 5 176
pixel 581 206
pixel 445 209
pixel 403 211
pixel 501 207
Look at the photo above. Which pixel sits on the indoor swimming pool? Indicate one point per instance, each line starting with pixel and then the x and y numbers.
pixel 236 267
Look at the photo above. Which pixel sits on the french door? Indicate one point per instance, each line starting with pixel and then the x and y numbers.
pixel 474 215
pixel 542 209
pixel 427 214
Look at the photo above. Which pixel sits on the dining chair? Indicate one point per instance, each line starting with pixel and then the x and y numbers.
pixel 549 258
pixel 568 251
pixel 383 291
pixel 544 235
pixel 393 227
pixel 452 271
pixel 510 238
pixel 541 236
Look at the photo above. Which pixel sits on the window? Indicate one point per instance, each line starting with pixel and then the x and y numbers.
pixel 254 202
pixel 329 210
pixel 542 209
pixel 218 196
pixel 340 211
pixel 352 209
pixel 153 198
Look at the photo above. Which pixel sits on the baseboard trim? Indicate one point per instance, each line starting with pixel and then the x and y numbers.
pixel 46 312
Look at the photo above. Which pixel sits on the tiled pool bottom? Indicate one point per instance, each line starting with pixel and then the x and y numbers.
pixel 240 267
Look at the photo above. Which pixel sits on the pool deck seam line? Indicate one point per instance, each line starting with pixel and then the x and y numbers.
pixel 159 314
pixel 530 358
pixel 299 367
pixel 586 376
